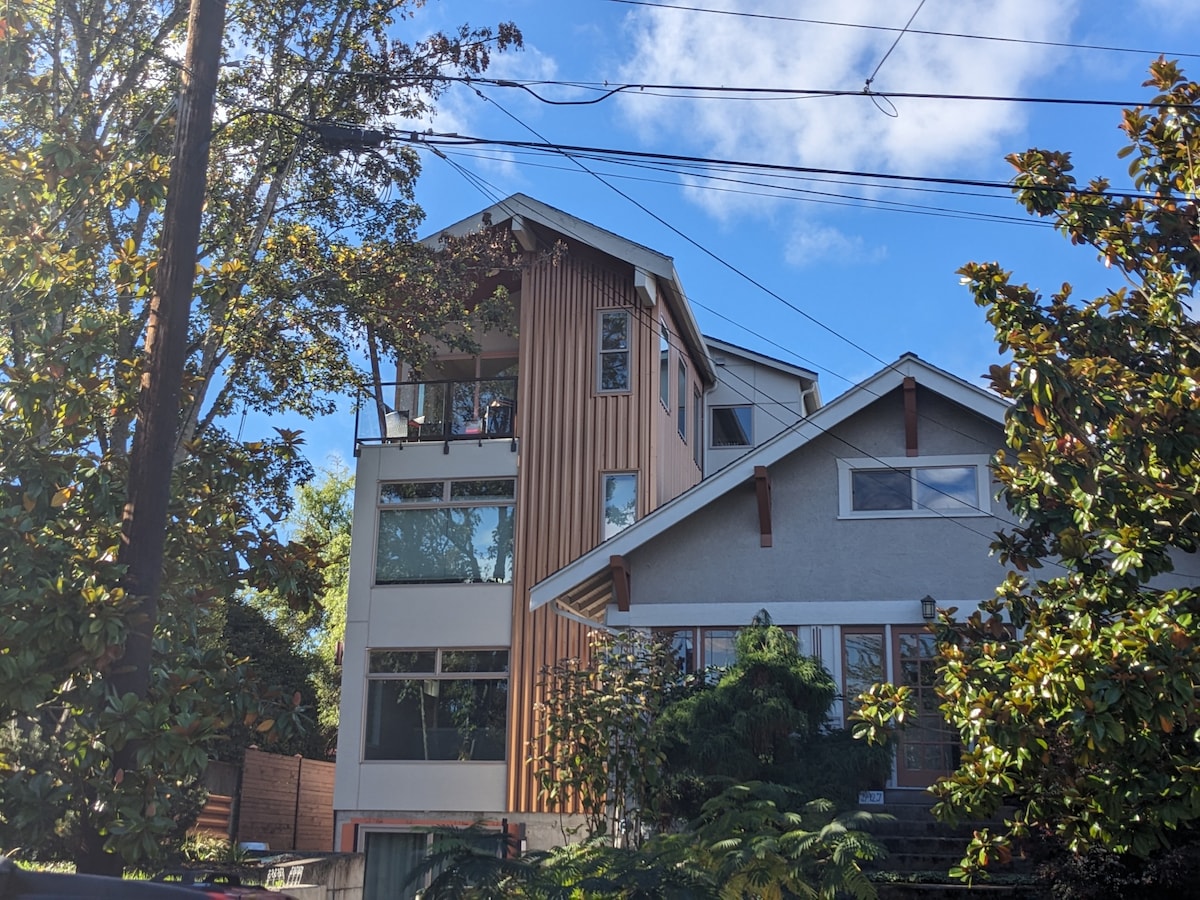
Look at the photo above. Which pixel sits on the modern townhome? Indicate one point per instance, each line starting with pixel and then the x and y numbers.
pixel 493 472
pixel 555 481
pixel 850 526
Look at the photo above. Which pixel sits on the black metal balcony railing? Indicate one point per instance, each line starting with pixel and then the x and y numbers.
pixel 438 411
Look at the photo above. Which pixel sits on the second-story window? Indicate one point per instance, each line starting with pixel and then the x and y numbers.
pixel 613 354
pixel 664 364
pixel 681 399
pixel 619 495
pixel 698 424
pixel 445 532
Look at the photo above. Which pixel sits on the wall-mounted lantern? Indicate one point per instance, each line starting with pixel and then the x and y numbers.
pixel 928 608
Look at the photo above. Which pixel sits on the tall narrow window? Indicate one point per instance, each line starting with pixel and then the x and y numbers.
pixel 664 364
pixel 619 491
pixel 698 424
pixel 864 663
pixel 681 399
pixel 613 363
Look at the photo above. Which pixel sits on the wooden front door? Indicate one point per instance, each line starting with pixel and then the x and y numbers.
pixel 927 747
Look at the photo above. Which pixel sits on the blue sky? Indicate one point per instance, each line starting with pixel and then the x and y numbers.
pixel 873 279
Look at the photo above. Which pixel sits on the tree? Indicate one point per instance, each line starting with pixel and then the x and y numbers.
pixel 322 518
pixel 751 842
pixel 764 719
pixel 307 259
pixel 1084 720
pixel 602 747
pixel 642 748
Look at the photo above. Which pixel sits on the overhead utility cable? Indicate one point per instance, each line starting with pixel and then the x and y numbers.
pixel 953 34
pixel 713 92
pixel 572 150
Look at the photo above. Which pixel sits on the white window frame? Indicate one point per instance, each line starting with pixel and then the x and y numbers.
pixel 618 473
pixel 712 431
pixel 682 400
pixel 664 364
pixel 601 352
pixel 983 481
pixel 437 675
pixel 444 501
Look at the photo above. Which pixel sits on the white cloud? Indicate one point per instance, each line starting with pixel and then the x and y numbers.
pixel 671 46
pixel 810 244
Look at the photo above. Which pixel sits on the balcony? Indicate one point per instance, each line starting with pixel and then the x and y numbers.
pixel 447 410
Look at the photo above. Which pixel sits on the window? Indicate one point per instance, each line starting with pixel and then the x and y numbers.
pixel 392 858
pixel 445 532
pixel 864 663
pixel 664 365
pixel 437 705
pixel 732 426
pixel 614 351
pixel 682 400
pixel 940 486
pixel 699 649
pixel 620 502
pixel 698 424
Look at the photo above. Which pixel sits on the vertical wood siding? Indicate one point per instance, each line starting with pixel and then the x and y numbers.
pixel 569 434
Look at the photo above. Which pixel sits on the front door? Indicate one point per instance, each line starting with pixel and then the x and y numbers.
pixel 927 748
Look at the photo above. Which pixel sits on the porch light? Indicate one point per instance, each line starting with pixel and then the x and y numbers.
pixel 928 608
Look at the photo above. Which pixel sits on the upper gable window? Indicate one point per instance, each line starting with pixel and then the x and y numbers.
pixel 682 400
pixel 664 360
pixel 613 355
pixel 928 486
pixel 732 426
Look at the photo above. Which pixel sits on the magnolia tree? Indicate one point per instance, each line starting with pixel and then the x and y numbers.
pixel 1076 690
pixel 306 263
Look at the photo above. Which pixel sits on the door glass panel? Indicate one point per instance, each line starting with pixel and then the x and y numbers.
pixel 863 664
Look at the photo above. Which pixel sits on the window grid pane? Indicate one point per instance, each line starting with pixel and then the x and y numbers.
pixel 402 661
pixel 412 492
pixel 946 488
pixel 428 719
pixel 489 489
pixel 881 489
pixel 614 351
pixel 475 661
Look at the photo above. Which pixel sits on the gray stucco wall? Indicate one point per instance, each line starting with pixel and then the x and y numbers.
pixel 715 555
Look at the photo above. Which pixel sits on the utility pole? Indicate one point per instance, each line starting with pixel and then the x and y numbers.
pixel 144 523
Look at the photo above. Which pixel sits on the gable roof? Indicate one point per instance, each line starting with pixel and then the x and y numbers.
pixel 585 584
pixel 521 210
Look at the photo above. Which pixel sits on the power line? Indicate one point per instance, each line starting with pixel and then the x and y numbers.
pixel 895 43
pixel 573 150
pixel 952 34
pixel 807 195
pixel 607 90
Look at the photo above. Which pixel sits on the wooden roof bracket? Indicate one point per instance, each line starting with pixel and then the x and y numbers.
pixel 762 487
pixel 910 417
pixel 621 579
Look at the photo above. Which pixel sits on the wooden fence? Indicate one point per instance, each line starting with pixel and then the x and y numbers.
pixel 285 802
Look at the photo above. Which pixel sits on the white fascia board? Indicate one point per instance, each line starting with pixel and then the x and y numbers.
pixel 769 362
pixel 737 473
